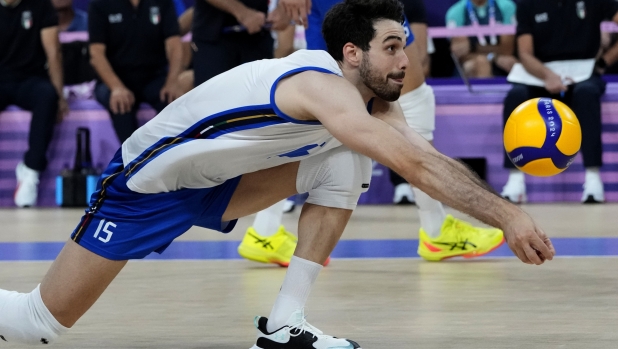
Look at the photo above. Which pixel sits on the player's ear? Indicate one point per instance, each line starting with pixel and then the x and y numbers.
pixel 352 54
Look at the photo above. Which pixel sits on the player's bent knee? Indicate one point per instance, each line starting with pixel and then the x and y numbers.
pixel 24 318
pixel 336 178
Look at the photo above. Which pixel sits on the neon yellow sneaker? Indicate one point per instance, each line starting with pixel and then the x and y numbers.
pixel 459 238
pixel 277 249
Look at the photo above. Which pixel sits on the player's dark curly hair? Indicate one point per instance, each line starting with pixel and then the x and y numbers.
pixel 353 20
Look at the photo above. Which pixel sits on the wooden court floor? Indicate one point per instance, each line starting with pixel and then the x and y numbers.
pixel 493 302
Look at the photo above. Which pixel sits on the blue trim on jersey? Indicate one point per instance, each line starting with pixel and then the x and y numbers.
pixel 285 75
pixel 167 143
pixel 242 128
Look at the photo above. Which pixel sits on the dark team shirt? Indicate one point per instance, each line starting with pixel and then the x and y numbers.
pixel 564 29
pixel 414 11
pixel 21 50
pixel 134 37
pixel 209 22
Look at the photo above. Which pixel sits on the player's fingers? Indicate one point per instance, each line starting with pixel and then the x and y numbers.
pixel 518 252
pixel 544 245
pixel 550 246
pixel 532 255
pixel 546 241
pixel 309 7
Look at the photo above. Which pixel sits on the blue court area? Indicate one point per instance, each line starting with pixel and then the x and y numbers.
pixel 208 250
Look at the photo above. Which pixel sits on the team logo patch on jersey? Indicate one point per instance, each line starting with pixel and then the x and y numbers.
pixel 155 16
pixel 581 9
pixel 115 18
pixel 26 19
pixel 541 17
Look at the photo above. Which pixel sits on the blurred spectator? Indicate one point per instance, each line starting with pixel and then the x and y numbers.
pixel 563 31
pixel 31 78
pixel 69 18
pixel 136 51
pixel 228 33
pixel 483 56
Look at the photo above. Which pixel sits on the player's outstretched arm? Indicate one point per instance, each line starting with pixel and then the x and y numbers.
pixel 340 108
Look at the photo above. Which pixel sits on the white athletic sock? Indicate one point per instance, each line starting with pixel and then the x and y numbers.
pixel 268 221
pixel 593 174
pixel 431 213
pixel 24 318
pixel 299 280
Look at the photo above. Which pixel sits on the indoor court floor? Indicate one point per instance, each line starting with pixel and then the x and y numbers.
pixel 199 294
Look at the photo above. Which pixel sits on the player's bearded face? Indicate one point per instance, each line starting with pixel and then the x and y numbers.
pixel 378 81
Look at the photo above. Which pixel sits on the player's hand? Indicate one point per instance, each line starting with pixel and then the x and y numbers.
pixel 63 109
pixel 170 92
pixel 527 241
pixel 252 20
pixel 297 10
pixel 121 100
pixel 554 84
pixel 278 19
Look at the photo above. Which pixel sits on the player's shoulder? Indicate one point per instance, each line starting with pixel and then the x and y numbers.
pixel 317 79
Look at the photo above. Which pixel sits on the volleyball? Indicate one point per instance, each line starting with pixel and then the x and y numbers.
pixel 542 137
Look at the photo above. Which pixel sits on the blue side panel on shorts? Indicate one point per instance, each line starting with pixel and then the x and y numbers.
pixel 122 224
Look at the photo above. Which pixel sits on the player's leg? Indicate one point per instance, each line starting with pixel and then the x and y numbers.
pixel 441 236
pixel 74 282
pixel 321 224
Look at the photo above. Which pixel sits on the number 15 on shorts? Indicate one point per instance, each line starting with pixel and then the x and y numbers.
pixel 104 229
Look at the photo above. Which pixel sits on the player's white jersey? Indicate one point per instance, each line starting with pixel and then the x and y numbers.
pixel 226 127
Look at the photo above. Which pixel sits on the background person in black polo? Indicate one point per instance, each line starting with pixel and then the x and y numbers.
pixel 31 78
pixel 558 30
pixel 131 43
pixel 216 51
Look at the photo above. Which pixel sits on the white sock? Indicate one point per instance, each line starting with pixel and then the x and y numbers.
pixel 516 176
pixel 299 280
pixel 431 213
pixel 24 318
pixel 593 174
pixel 268 221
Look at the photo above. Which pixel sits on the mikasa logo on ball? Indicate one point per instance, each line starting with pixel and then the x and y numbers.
pixel 518 158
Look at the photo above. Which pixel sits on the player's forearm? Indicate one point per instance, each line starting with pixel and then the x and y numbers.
pixel 233 7
pixel 466 171
pixel 534 66
pixel 459 188
pixel 173 50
